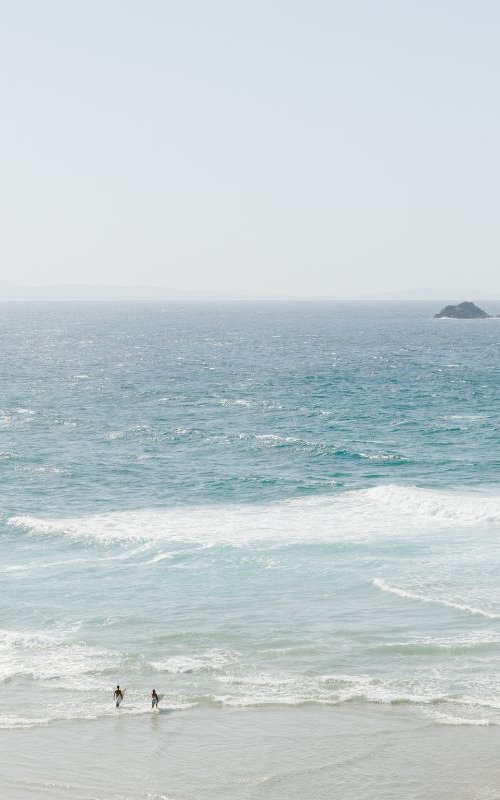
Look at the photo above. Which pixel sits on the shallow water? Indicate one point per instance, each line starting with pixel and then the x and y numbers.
pixel 247 507
pixel 254 754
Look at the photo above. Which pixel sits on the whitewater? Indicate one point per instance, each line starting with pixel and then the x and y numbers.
pixel 282 517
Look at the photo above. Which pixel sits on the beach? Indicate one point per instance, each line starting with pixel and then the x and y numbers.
pixel 282 517
pixel 261 753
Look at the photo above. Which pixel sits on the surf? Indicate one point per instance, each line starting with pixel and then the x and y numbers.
pixel 387 510
pixel 408 594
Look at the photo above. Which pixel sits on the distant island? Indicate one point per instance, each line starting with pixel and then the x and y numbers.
pixel 462 311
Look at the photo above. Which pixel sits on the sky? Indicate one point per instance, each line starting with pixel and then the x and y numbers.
pixel 325 149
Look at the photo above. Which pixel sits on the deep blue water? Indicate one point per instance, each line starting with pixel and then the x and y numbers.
pixel 154 404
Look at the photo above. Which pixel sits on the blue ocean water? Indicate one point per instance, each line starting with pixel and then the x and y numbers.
pixel 248 505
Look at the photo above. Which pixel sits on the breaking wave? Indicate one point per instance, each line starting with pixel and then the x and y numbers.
pixel 383 510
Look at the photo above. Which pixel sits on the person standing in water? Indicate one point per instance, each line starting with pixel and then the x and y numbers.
pixel 154 699
pixel 118 695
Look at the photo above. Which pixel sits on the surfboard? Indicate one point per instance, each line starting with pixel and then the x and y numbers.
pixel 119 699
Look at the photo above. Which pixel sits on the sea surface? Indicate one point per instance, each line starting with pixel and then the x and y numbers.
pixel 289 512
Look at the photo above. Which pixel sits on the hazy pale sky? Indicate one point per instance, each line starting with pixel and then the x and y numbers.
pixel 310 148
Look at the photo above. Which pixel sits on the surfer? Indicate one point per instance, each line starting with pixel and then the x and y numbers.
pixel 118 695
pixel 154 699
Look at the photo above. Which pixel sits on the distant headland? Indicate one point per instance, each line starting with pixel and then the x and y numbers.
pixel 465 310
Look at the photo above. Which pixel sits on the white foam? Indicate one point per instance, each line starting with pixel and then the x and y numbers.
pixel 466 417
pixel 345 678
pixel 459 643
pixel 12 721
pixel 50 656
pixel 86 710
pixel 380 511
pixel 38 468
pixel 27 639
pixel 203 662
pixel 244 403
pixel 422 598
pixel 257 689
pixel 38 565
pixel 159 557
pixel 449 719
pixel 133 430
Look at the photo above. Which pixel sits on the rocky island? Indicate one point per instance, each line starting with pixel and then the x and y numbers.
pixel 462 311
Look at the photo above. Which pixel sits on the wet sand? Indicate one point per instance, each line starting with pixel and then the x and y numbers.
pixel 204 754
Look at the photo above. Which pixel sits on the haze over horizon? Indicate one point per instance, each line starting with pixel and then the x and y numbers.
pixel 326 150
pixel 142 293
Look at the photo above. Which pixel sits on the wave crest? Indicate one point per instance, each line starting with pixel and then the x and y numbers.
pixel 408 594
pixel 383 510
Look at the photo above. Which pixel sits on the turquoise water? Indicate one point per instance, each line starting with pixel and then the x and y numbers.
pixel 248 506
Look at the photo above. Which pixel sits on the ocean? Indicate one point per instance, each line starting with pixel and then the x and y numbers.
pixel 285 518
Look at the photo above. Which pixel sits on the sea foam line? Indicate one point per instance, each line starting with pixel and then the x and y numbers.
pixel 449 719
pixel 359 514
pixel 422 598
